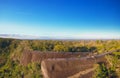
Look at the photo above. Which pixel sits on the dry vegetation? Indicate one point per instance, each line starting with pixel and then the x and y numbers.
pixel 22 58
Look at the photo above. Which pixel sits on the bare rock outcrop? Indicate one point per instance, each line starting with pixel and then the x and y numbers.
pixel 69 67
pixel 36 56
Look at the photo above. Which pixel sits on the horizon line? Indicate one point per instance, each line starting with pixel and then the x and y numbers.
pixel 31 37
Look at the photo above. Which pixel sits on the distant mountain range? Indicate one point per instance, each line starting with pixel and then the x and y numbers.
pixel 17 36
pixel 30 37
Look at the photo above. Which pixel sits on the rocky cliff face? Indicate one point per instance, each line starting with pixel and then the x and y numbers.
pixel 35 56
pixel 63 64
pixel 69 67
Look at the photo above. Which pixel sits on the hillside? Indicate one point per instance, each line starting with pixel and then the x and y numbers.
pixel 22 58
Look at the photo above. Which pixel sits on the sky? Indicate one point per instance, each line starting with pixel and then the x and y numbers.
pixel 61 18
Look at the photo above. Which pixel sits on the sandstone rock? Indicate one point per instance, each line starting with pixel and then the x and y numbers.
pixel 69 67
pixel 36 56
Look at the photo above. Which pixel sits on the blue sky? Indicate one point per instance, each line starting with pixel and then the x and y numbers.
pixel 61 18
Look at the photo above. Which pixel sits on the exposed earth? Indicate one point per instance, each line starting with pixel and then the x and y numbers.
pixel 64 65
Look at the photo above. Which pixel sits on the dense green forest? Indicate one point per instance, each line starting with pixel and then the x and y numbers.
pixel 11 49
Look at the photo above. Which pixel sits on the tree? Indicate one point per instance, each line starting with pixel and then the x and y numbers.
pixel 60 48
pixel 101 71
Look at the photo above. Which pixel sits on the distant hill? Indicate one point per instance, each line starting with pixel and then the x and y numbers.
pixel 17 36
pixel 31 37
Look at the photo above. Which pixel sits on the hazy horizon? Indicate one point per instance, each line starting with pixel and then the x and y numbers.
pixel 89 19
